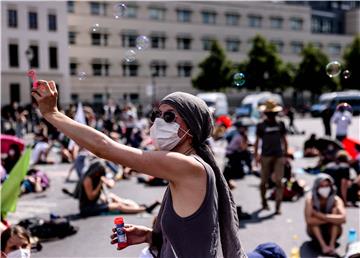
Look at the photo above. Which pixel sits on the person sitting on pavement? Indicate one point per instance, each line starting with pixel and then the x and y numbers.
pixel 15 242
pixel 339 170
pixel 272 134
pixel 324 214
pixel 91 203
pixel 36 181
pixel 41 151
pixel 310 149
pixel 12 158
pixel 181 125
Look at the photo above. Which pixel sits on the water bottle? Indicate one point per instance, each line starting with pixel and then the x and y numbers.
pixel 121 235
pixel 352 235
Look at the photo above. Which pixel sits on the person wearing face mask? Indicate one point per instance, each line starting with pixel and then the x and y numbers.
pixel 272 134
pixel 12 158
pixel 15 243
pixel 324 214
pixel 197 211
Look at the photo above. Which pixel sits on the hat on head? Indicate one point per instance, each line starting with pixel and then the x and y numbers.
pixel 267 250
pixel 270 106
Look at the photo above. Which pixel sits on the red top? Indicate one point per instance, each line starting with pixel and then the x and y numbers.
pixel 119 220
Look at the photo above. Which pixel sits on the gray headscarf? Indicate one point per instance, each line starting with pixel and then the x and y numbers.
pixel 315 196
pixel 196 115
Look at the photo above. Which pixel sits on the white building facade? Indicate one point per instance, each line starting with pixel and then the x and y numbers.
pixel 36 32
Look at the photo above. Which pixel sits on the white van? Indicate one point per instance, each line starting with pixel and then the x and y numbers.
pixel 216 101
pixel 250 104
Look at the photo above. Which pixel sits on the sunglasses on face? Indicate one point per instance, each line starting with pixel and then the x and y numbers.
pixel 168 116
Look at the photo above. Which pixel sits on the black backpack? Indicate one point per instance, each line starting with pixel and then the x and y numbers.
pixel 47 229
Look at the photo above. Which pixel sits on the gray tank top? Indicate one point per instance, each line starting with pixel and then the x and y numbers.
pixel 195 236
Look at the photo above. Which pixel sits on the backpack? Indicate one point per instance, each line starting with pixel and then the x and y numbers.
pixel 47 229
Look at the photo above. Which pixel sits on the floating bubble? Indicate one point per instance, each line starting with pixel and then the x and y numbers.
pixel 346 74
pixel 130 56
pixel 142 42
pixel 95 27
pixel 239 79
pixel 82 76
pixel 333 69
pixel 119 10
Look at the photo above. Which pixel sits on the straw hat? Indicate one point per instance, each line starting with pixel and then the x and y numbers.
pixel 270 106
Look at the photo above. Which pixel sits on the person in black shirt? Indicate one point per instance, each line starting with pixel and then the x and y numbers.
pixel 274 146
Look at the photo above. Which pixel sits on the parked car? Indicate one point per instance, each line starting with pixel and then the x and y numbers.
pixel 216 101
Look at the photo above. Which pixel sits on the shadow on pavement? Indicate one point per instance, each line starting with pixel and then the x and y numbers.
pixel 309 249
pixel 255 218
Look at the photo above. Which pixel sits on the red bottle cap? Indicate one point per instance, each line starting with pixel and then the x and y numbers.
pixel 119 220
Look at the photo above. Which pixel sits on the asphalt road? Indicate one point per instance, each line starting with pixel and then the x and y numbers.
pixel 93 237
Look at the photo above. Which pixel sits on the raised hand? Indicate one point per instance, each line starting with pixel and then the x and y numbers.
pixel 46 95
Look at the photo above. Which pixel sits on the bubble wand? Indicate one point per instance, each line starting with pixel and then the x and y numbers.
pixel 32 75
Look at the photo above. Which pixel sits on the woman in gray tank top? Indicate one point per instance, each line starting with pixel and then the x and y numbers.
pixel 198 216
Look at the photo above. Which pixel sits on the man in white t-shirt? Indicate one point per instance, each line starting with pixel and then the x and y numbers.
pixel 342 118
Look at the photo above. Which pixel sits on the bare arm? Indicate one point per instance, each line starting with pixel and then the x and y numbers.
pixel 167 165
pixel 309 217
pixel 338 217
pixel 91 192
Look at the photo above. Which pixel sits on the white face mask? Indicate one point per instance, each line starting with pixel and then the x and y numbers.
pixel 19 253
pixel 165 135
pixel 324 191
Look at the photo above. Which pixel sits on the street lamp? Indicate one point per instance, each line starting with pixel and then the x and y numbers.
pixel 29 53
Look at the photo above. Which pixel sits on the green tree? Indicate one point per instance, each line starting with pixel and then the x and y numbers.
pixel 265 70
pixel 311 74
pixel 215 71
pixel 352 64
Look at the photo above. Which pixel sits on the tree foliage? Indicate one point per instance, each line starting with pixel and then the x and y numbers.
pixel 265 70
pixel 215 71
pixel 352 64
pixel 311 74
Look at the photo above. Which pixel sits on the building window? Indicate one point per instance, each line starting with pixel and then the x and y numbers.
pixel 296 47
pixel 208 17
pixel 158 68
pixel 95 39
pixel 100 67
pixel 334 49
pixel 97 69
pixel 73 69
pixel 13 55
pixel 14 92
pixel 74 97
pixel 130 70
pixel 53 58
pixel 72 37
pixel 158 42
pixel 183 15
pixel 184 70
pixel 232 45
pixel 35 60
pixel 316 25
pixel 232 19
pixel 95 8
pixel 128 40
pixel 70 6
pixel 326 26
pixel 279 45
pixel 98 98
pixel 131 12
pixel 33 23
pixel 254 21
pixel 296 24
pixel 157 14
pixel 12 18
pixel 184 43
pixel 207 43
pixel 52 25
pixel 317 45
pixel 276 22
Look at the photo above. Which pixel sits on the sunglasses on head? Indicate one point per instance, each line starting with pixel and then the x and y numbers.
pixel 168 116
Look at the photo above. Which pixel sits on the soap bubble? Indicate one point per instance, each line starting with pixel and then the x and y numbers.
pixel 333 69
pixel 82 76
pixel 239 79
pixel 142 42
pixel 346 74
pixel 130 56
pixel 119 10
pixel 95 27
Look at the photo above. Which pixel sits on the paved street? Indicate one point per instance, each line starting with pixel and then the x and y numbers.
pixel 92 239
